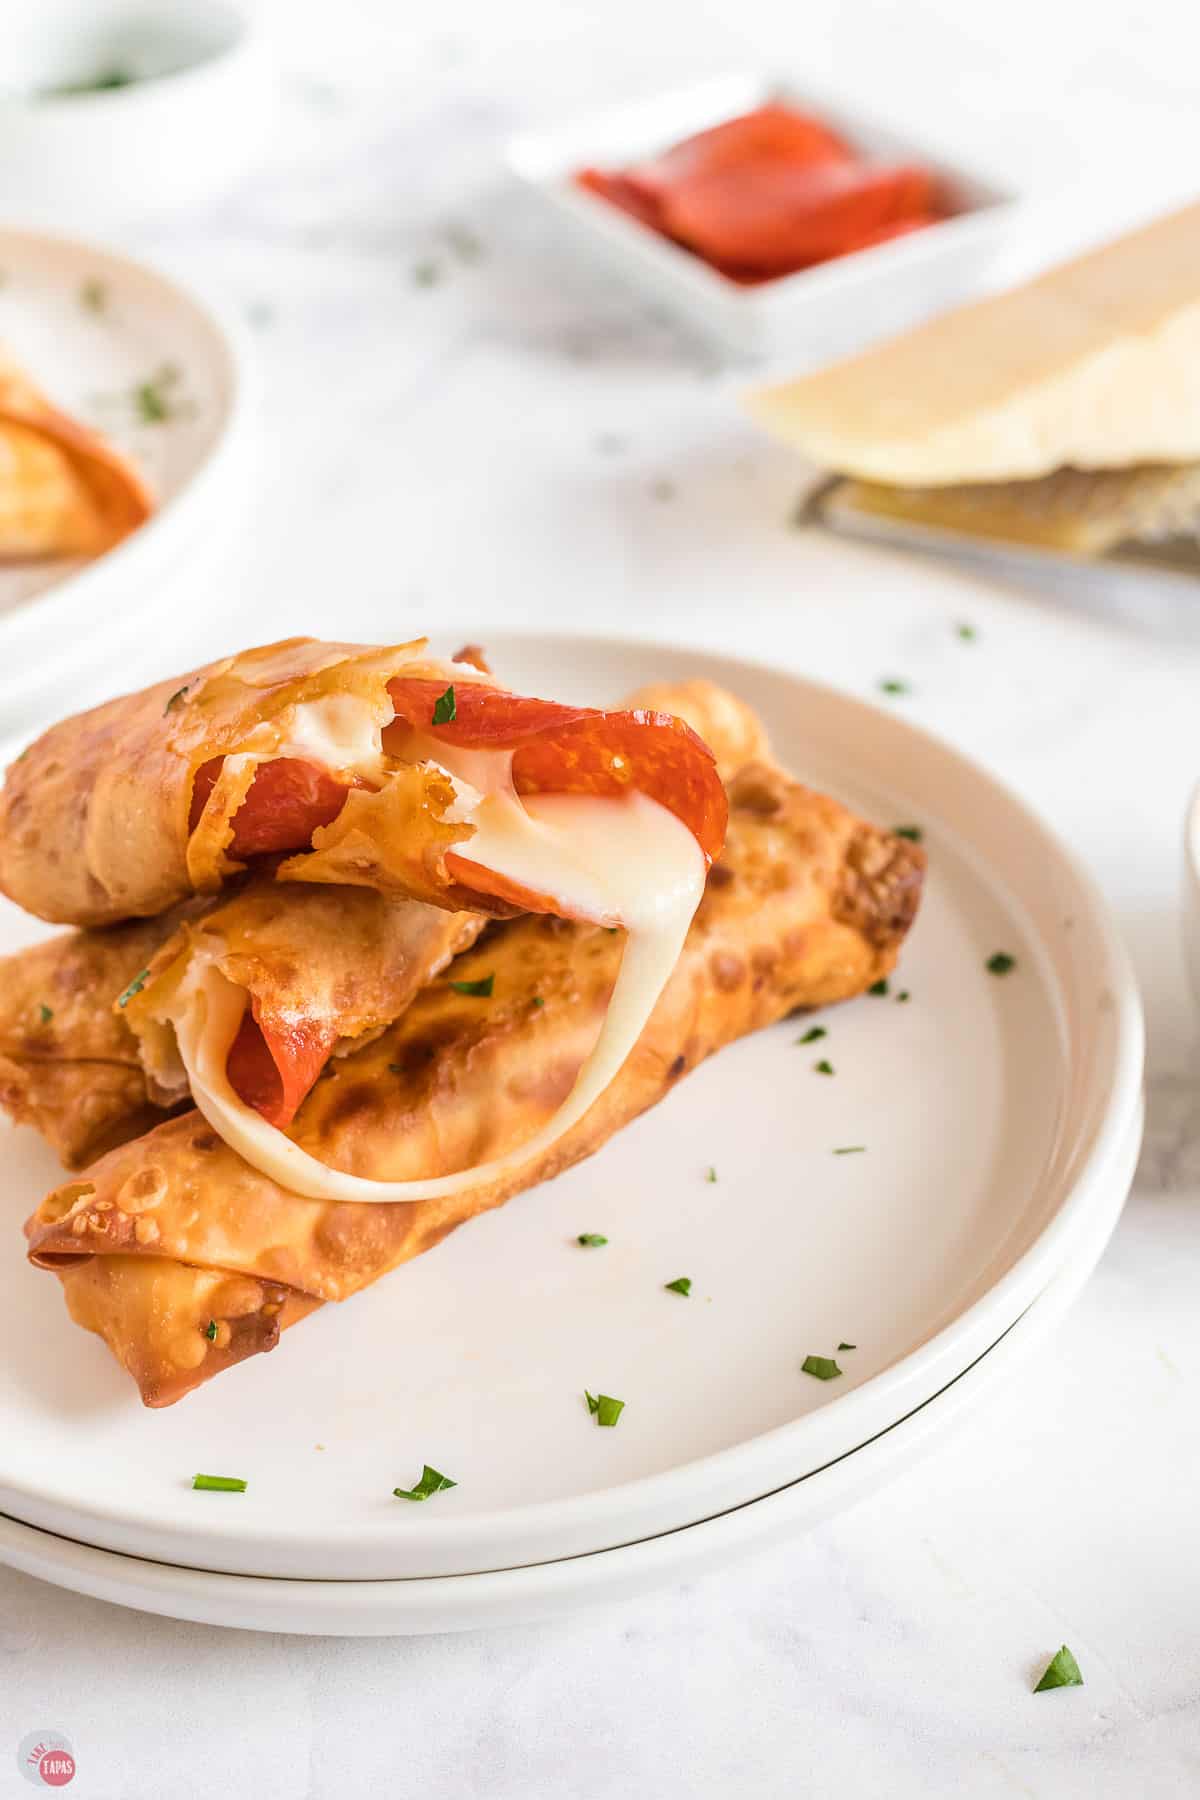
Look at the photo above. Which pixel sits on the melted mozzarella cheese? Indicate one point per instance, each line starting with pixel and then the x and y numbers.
pixel 339 732
pixel 626 861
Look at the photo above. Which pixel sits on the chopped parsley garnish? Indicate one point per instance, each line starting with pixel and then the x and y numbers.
pixel 176 698
pixel 823 1067
pixel 823 1367
pixel 967 633
pixel 604 1408
pixel 892 686
pixel 681 1285
pixel 114 77
pixel 45 1013
pixel 481 989
pixel 1001 963
pixel 152 400
pixel 1061 1671
pixel 444 707
pixel 878 987
pixel 710 1174
pixel 219 1484
pixel 850 1150
pixel 903 996
pixel 426 274
pixel 537 1001
pixel 591 1240
pixel 210 1331
pixel 93 295
pixel 430 1483
pixel 813 1033
pixel 847 1346
pixel 135 987
pixel 913 833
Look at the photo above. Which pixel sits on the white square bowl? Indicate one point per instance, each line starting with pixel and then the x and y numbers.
pixel 829 310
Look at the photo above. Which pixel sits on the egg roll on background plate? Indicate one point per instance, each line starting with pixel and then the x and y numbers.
pixel 64 491
pixel 186 1260
pixel 335 753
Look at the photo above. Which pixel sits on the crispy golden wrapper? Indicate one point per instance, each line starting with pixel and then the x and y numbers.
pixel 94 816
pixel 807 905
pixel 69 1064
pixel 64 491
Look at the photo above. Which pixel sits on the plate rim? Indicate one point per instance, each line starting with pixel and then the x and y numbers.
pixel 130 562
pixel 893 1389
pixel 391 1605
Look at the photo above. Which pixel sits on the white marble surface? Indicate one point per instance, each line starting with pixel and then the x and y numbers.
pixel 492 447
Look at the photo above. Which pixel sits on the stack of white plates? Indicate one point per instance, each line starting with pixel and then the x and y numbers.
pixel 987 1123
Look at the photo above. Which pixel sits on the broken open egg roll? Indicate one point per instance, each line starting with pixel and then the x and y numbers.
pixel 64 491
pixel 87 1047
pixel 380 768
pixel 184 1258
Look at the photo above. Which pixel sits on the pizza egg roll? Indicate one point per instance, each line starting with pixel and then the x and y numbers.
pixel 185 1258
pixel 64 491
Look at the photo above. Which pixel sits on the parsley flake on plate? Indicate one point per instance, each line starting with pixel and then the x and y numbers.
pixel 445 707
pixel 812 1035
pixel 604 1409
pixel 481 989
pixel 913 833
pixel 844 1346
pixel 967 633
pixel 823 1067
pixel 879 987
pixel 850 1150
pixel 1061 1671
pixel 430 1483
pixel 591 1240
pixel 219 1484
pixel 710 1174
pixel 681 1285
pixel 1001 963
pixel 823 1367
pixel 892 686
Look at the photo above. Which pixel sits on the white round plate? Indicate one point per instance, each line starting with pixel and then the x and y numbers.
pixel 93 328
pixel 513 1596
pixel 991 1114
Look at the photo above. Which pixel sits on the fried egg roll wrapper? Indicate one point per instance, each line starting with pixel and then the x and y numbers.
pixel 69 1064
pixel 808 905
pixel 130 808
pixel 338 962
pixel 64 491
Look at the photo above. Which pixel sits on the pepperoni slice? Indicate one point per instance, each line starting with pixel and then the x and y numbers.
pixel 580 750
pixel 288 800
pixel 769 134
pixel 777 217
pixel 272 1066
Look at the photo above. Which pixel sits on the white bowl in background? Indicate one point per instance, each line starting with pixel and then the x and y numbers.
pixel 829 310
pixel 1190 911
pixel 117 111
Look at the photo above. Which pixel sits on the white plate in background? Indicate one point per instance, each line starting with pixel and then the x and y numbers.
pixel 829 310
pixel 91 327
pixel 995 1114
pixel 543 1590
